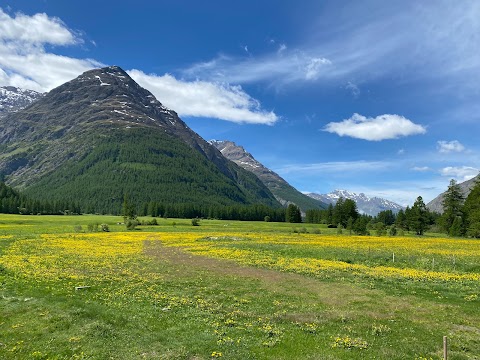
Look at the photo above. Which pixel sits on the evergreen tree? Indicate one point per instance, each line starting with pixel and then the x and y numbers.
pixel 387 217
pixel 418 217
pixel 293 214
pixel 452 208
pixel 128 209
pixel 457 229
pixel 330 214
pixel 401 220
pixel 471 211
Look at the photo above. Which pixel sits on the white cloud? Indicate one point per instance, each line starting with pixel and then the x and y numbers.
pixel 421 168
pixel 205 99
pixel 36 29
pixel 24 62
pixel 354 89
pixel 282 48
pixel 314 67
pixel 379 128
pixel 342 167
pixel 460 173
pixel 450 146
pixel 286 66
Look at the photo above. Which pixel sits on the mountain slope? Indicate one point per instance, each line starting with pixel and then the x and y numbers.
pixel 365 204
pixel 101 135
pixel 466 186
pixel 13 99
pixel 284 192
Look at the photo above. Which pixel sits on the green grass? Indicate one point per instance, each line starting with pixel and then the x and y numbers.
pixel 167 303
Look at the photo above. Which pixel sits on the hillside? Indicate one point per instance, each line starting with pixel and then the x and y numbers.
pixel 101 135
pixel 283 191
pixel 466 186
pixel 365 204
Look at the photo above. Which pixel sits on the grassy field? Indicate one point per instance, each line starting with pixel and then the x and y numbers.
pixel 231 290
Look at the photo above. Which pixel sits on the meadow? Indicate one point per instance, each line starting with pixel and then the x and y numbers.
pixel 232 290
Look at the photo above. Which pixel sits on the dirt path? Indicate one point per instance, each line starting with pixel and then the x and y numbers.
pixel 335 295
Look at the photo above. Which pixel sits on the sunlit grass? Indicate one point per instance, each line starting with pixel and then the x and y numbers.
pixel 231 290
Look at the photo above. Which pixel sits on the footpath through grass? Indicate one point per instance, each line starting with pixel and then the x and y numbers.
pixel 232 290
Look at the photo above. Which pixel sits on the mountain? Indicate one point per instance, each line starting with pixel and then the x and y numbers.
pixel 13 99
pixel 283 191
pixel 466 186
pixel 101 135
pixel 365 204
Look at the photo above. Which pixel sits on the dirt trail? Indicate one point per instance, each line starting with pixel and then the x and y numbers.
pixel 337 295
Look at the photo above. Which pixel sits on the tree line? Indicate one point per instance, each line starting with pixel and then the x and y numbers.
pixel 345 215
pixel 13 202
pixel 461 216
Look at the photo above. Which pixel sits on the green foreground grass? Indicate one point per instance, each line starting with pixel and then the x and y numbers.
pixel 168 302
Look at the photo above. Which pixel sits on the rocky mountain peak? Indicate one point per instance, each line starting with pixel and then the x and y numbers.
pixel 282 190
pixel 13 99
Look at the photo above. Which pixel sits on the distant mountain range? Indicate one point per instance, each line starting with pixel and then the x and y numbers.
pixel 100 136
pixel 283 191
pixel 466 186
pixel 13 99
pixel 365 204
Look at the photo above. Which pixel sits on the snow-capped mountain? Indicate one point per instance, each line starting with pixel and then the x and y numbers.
pixel 365 204
pixel 13 99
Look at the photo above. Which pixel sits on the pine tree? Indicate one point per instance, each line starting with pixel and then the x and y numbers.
pixel 401 220
pixel 452 207
pixel 471 211
pixel 418 217
pixel 293 214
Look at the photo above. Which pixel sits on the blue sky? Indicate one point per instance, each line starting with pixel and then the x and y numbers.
pixel 380 97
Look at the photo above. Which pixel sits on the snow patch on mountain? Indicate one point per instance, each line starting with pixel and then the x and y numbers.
pixel 13 99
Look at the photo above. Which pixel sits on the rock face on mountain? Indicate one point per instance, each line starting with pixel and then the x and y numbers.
pixel 365 204
pixel 101 135
pixel 13 99
pixel 466 186
pixel 284 192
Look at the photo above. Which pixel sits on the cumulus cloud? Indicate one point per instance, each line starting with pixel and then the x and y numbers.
pixel 205 99
pixel 460 173
pixel 36 29
pixel 450 146
pixel 379 128
pixel 24 61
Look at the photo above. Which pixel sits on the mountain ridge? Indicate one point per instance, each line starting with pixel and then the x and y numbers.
pixel 365 204
pixel 281 189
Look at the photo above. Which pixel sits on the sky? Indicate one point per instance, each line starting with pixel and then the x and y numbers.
pixel 379 97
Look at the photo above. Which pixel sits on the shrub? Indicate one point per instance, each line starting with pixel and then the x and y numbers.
pixel 78 228
pixel 339 229
pixel 267 218
pixel 196 222
pixel 92 227
pixel 105 227
pixel 131 224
